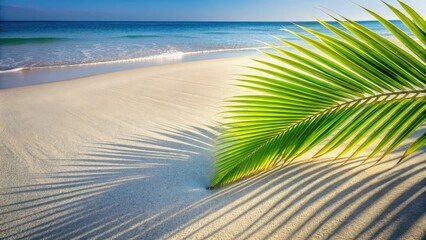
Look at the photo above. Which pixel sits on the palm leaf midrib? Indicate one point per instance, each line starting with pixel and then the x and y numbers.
pixel 324 111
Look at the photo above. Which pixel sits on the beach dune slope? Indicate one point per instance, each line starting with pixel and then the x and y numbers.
pixel 129 155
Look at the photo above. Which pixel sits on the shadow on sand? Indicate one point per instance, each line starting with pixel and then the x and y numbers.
pixel 154 187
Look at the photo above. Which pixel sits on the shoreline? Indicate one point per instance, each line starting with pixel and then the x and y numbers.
pixel 165 56
pixel 30 76
pixel 128 154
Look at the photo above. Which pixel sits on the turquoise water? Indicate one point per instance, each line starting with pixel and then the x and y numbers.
pixel 34 52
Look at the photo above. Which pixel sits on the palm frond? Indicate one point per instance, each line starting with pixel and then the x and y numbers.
pixel 357 88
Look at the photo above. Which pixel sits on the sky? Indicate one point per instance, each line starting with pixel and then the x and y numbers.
pixel 193 10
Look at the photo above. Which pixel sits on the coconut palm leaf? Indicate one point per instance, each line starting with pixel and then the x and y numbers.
pixel 356 89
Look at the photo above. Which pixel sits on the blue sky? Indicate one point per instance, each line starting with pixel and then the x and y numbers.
pixel 192 10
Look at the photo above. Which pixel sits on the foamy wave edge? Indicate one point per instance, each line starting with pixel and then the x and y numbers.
pixel 167 55
pixel 13 70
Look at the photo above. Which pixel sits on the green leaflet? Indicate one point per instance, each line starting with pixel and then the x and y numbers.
pixel 367 125
pixel 420 142
pixel 392 52
pixel 416 17
pixel 381 123
pixel 407 124
pixel 354 89
pixel 416 30
pixel 390 68
pixel 403 37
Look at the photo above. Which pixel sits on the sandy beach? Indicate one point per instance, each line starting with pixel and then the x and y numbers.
pixel 128 155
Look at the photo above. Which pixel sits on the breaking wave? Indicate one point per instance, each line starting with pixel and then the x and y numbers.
pixel 170 55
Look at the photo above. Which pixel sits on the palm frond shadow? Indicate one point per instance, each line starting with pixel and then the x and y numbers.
pixel 123 189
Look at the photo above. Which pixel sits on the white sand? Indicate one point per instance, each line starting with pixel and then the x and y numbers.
pixel 128 155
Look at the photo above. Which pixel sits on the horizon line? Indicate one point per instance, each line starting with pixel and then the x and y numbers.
pixel 186 21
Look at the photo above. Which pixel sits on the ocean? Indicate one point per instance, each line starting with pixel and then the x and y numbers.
pixel 36 52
